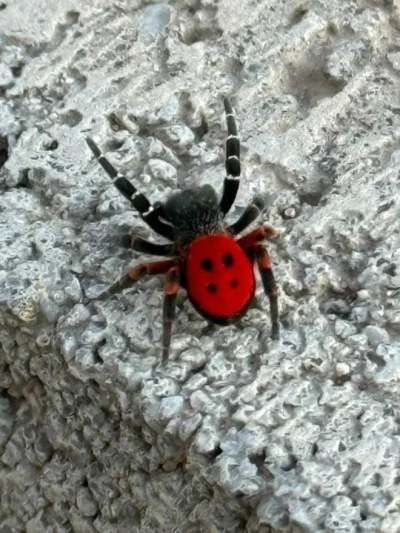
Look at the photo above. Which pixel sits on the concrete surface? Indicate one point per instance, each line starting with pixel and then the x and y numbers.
pixel 237 433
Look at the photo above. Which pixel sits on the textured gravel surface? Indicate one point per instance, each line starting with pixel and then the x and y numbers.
pixel 237 433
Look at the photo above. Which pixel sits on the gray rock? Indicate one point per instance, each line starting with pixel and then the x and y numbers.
pixel 236 432
pixel 154 19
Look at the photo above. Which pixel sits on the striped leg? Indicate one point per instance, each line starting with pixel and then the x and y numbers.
pixel 147 212
pixel 146 247
pixel 171 286
pixel 232 164
pixel 267 277
pixel 249 215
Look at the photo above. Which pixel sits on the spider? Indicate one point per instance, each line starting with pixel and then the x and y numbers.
pixel 205 255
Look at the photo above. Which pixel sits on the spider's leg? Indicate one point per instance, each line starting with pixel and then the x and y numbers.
pixel 136 273
pixel 171 286
pixel 250 244
pixel 146 247
pixel 259 234
pixel 139 201
pixel 268 280
pixel 248 216
pixel 232 161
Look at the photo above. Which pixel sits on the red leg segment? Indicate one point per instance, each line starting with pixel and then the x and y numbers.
pixel 136 273
pixel 262 233
pixel 267 276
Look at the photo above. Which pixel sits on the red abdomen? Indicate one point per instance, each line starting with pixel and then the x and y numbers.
pixel 219 277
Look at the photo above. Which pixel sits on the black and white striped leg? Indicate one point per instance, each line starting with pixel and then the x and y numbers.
pixel 232 163
pixel 249 215
pixel 145 247
pixel 139 201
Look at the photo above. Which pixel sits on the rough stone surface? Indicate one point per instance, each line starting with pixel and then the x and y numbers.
pixel 236 433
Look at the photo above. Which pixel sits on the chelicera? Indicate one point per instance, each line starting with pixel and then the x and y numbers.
pixel 205 255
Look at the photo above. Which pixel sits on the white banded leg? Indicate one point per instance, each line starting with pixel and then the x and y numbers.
pixel 232 161
pixel 139 201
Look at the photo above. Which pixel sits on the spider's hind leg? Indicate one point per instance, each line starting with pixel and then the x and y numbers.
pixel 171 286
pixel 135 274
pixel 255 251
pixel 268 280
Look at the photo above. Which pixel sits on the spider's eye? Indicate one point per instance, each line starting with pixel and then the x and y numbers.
pixel 206 264
pixel 212 288
pixel 227 259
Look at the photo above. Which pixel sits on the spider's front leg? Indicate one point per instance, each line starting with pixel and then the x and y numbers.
pixel 249 215
pixel 149 213
pixel 232 161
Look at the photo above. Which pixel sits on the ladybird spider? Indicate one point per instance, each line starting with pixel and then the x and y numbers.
pixel 207 259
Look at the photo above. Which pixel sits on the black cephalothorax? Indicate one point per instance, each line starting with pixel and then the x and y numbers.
pixel 194 212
